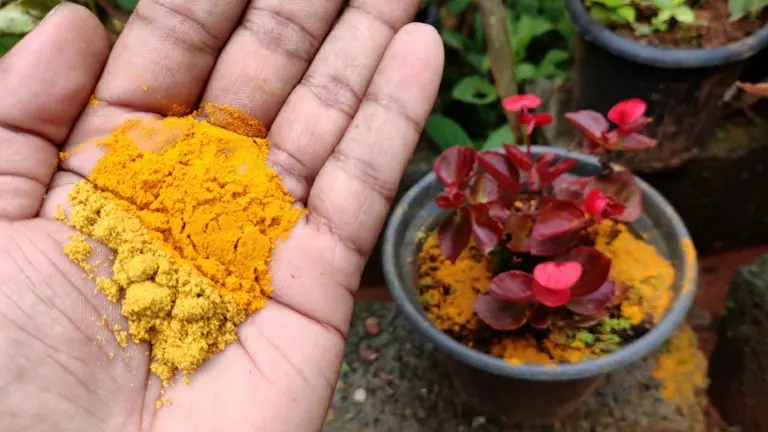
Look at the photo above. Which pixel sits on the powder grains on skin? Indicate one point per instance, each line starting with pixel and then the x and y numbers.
pixel 167 302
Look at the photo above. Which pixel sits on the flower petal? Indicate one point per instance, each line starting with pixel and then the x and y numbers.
pixel 521 102
pixel 557 276
pixel 595 202
pixel 499 314
pixel 453 235
pixel 548 297
pixel 455 166
pixel 594 302
pixel 627 112
pixel 513 286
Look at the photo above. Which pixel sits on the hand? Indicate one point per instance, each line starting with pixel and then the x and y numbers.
pixel 344 106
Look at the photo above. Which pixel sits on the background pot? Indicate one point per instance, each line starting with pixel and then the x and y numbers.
pixel 529 393
pixel 683 87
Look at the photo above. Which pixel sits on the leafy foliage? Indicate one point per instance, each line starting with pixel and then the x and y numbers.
pixel 541 37
pixel 509 200
pixel 648 16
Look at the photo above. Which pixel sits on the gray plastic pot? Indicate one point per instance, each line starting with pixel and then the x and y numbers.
pixel 529 393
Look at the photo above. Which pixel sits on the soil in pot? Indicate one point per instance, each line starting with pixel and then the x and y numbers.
pixel 449 289
pixel 712 27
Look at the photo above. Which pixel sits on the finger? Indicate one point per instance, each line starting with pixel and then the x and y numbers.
pixel 268 53
pixel 320 109
pixel 45 82
pixel 350 199
pixel 159 65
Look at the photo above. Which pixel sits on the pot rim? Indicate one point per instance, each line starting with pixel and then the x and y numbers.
pixel 672 58
pixel 638 349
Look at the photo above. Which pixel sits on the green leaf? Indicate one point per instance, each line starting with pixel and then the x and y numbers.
pixel 446 132
pixel 475 90
pixel 739 8
pixel 481 62
pixel 548 67
pixel 526 71
pixel 7 42
pixel 39 8
pixel 16 20
pixel 610 3
pixel 502 135
pixel 454 39
pixel 628 13
pixel 127 5
pixel 528 29
pixel 684 14
pixel 456 7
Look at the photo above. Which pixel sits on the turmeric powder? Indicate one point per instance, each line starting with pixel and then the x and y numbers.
pixel 449 289
pixel 193 214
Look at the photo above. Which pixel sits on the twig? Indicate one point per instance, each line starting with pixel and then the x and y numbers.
pixel 501 55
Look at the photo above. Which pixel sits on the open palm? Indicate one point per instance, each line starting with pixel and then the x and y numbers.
pixel 344 107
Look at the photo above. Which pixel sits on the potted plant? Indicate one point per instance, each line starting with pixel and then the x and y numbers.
pixel 679 55
pixel 538 270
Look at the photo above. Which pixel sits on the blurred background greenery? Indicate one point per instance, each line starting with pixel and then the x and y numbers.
pixel 468 107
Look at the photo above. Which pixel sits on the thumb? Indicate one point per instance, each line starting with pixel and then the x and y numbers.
pixel 45 82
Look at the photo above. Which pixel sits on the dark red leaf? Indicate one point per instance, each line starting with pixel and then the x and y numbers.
pixel 521 102
pixel 595 203
pixel 513 286
pixel 591 320
pixel 620 293
pixel 499 314
pixel 542 317
pixel 548 172
pixel 635 142
pixel 519 226
pixel 453 235
pixel 571 188
pixel 486 233
pixel 455 166
pixel 621 187
pixel 596 267
pixel 484 189
pixel 548 297
pixel 518 158
pixel 559 218
pixel 498 166
pixel 594 302
pixel 450 199
pixel 553 245
pixel 627 112
pixel 591 123
pixel 557 276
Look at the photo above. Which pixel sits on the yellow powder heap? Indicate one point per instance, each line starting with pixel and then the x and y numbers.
pixel 450 289
pixel 682 370
pixel 637 264
pixel 192 213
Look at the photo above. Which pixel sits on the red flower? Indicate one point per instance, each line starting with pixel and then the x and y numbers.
pixel 629 118
pixel 523 102
pixel 598 205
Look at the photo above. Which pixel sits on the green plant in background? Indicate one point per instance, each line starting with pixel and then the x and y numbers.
pixel 661 13
pixel 467 111
pixel 19 17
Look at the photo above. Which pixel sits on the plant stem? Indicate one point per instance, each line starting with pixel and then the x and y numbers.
pixel 501 55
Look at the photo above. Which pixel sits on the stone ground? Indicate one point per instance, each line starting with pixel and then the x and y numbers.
pixel 393 381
